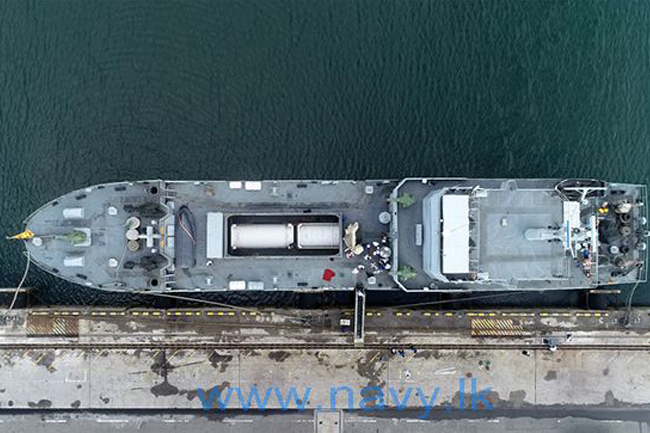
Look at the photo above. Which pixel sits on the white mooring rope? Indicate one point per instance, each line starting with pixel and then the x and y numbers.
pixel 22 281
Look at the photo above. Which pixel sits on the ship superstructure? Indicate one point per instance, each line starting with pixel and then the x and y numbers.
pixel 415 234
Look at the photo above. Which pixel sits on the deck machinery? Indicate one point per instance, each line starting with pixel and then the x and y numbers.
pixel 415 234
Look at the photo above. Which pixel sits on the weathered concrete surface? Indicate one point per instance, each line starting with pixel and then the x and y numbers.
pixel 129 379
pixel 616 379
pixel 295 326
pixel 151 378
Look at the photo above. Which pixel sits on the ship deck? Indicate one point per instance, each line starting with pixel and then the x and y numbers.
pixel 500 257
pixel 351 201
pixel 503 254
pixel 347 199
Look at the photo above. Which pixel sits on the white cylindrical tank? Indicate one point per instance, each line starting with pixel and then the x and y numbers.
pixel 319 235
pixel 261 235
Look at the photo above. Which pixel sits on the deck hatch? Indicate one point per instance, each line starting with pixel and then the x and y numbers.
pixel 215 235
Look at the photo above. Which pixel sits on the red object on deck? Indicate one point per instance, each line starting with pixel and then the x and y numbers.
pixel 328 275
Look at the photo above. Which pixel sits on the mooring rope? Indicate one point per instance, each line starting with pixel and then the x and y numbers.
pixel 22 281
pixel 208 302
pixel 628 306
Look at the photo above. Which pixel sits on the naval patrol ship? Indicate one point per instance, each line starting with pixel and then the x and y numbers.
pixel 415 234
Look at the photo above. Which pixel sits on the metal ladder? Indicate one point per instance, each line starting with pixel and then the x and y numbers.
pixel 170 279
pixel 169 195
pixel 359 314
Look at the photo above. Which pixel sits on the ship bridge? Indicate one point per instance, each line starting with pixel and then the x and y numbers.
pixel 482 235
pixel 517 234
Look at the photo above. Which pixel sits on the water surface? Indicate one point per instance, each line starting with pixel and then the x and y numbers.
pixel 98 91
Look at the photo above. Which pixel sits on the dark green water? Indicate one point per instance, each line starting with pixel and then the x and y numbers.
pixel 97 91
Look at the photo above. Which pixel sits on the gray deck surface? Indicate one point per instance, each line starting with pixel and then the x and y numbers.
pixel 348 199
pixel 504 252
pixel 344 198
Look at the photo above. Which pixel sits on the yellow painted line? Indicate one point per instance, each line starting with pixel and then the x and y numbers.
pixel 449 314
pixel 210 313
pixel 230 313
pixel 253 313
pixel 220 313
pixel 156 313
pixel 135 313
pixel 173 355
pixel 426 313
pixel 544 314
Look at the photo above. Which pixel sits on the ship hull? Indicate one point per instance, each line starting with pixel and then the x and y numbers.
pixel 415 234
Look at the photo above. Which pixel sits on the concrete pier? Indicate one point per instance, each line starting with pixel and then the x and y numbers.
pixel 424 362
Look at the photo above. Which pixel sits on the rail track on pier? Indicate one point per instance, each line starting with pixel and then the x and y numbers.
pixel 90 346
